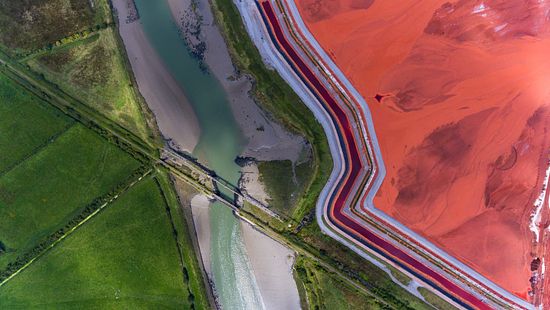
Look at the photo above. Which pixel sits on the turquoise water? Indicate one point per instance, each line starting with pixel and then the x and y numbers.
pixel 220 142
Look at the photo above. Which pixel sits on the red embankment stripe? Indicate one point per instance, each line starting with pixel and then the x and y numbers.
pixel 355 168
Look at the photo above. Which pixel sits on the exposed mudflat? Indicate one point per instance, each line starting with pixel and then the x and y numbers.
pixel 267 140
pixel 199 208
pixel 251 184
pixel 461 107
pixel 174 114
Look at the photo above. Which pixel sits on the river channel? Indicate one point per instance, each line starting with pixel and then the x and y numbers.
pixel 220 142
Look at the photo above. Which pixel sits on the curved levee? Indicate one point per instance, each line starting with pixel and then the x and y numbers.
pixel 358 169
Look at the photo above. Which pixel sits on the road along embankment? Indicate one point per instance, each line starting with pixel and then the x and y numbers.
pixel 357 170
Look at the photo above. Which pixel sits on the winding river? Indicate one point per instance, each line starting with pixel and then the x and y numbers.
pixel 220 142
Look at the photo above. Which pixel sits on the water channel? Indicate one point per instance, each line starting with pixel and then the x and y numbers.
pixel 220 142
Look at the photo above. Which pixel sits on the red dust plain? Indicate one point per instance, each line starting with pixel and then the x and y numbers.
pixel 460 98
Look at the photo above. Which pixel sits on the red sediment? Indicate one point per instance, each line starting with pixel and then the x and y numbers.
pixel 463 121
pixel 355 165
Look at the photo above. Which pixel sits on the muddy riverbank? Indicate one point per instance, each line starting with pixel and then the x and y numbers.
pixel 175 117
pixel 266 139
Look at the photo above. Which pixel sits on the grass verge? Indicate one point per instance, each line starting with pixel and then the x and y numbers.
pixel 356 267
pixel 435 300
pixel 94 71
pixel 323 290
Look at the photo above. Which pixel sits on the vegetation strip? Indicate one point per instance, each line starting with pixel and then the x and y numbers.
pixel 175 234
pixel 323 290
pixel 90 211
pixel 66 41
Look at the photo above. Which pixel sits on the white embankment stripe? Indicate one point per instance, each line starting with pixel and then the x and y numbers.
pixel 257 31
pixel 377 182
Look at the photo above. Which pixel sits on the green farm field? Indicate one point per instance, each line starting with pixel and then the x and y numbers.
pixel 27 124
pixel 45 191
pixel 125 257
pixel 27 25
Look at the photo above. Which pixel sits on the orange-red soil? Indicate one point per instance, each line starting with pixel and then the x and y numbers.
pixel 460 98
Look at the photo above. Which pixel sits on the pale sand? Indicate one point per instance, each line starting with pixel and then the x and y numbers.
pixel 272 265
pixel 267 140
pixel 250 183
pixel 174 114
pixel 200 209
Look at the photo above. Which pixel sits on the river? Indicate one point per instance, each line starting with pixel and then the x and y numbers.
pixel 220 142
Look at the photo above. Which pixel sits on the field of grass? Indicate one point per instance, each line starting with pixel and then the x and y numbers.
pixel 324 290
pixel 27 25
pixel 125 257
pixel 284 184
pixel 45 191
pixel 93 70
pixel 26 125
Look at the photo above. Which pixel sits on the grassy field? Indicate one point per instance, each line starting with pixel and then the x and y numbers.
pixel 27 25
pixel 55 172
pixel 323 290
pixel 45 191
pixel 284 183
pixel 26 125
pixel 93 70
pixel 124 258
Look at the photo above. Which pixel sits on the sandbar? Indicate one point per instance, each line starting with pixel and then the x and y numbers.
pixel 173 112
pixel 461 112
pixel 267 139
